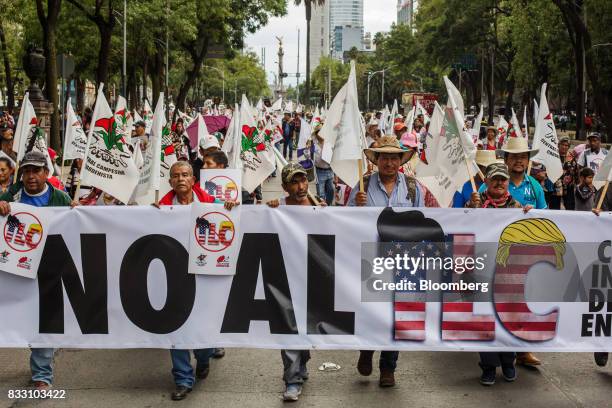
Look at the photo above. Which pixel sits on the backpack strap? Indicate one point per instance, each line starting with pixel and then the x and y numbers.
pixel 411 187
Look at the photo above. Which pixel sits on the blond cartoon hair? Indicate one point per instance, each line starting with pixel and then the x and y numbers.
pixel 534 231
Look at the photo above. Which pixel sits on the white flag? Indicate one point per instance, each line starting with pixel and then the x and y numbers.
pixel 147 116
pixel 232 141
pixel 277 105
pixel 124 120
pixel 75 141
pixel 502 130
pixel 26 122
pixel 109 165
pixel 305 132
pixel 138 159
pixel 535 111
pixel 447 170
pixel 344 132
pixel 409 121
pixel 260 105
pixel 256 151
pixel 604 173
pixel 393 115
pixel 545 139
pixel 420 110
pixel 516 127
pixel 456 103
pixel 289 106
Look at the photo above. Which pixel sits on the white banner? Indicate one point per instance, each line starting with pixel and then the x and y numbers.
pixel 117 277
pixel 213 248
pixel 24 235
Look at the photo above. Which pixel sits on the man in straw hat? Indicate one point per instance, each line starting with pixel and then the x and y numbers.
pixel 483 159
pixel 523 188
pixel 386 188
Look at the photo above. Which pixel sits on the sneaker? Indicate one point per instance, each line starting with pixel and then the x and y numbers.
pixel 219 353
pixel 292 392
pixel 601 359
pixel 180 393
pixel 527 359
pixel 509 373
pixel 364 365
pixel 387 378
pixel 41 385
pixel 202 372
pixel 488 376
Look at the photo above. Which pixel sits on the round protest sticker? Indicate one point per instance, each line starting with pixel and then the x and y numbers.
pixel 23 231
pixel 223 188
pixel 214 231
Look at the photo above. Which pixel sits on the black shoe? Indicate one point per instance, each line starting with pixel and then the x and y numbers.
pixel 364 365
pixel 180 393
pixel 202 372
pixel 601 359
pixel 219 353
pixel 488 375
pixel 509 373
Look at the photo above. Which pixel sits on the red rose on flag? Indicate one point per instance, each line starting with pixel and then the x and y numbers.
pixel 260 147
pixel 34 121
pixel 248 131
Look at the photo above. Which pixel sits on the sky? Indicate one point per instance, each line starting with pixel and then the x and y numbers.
pixel 377 16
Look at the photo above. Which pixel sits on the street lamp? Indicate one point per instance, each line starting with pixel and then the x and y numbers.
pixel 370 75
pixel 222 79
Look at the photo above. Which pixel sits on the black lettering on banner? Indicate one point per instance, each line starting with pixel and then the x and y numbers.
pixel 133 284
pixel 88 300
pixel 322 318
pixel 601 251
pixel 277 307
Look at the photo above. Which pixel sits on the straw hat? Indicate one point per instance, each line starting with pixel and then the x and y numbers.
pixel 486 157
pixel 519 145
pixel 387 144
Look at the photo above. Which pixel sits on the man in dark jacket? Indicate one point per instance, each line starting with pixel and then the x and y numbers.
pixel 35 190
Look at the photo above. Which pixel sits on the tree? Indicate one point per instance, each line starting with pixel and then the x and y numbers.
pixel 308 6
pixel 48 22
pixel 221 22
pixel 104 19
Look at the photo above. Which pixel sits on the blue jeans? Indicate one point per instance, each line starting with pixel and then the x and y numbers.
pixel 181 365
pixel 288 144
pixel 41 364
pixel 325 184
pixel 388 360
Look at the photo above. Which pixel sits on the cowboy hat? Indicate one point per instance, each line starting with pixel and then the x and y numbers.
pixel 519 145
pixel 387 144
pixel 485 157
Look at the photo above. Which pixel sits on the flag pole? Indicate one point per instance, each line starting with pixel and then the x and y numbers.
pixel 469 170
pixel 157 198
pixel 360 164
pixel 603 194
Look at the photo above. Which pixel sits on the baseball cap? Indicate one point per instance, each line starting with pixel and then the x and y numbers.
pixel 34 158
pixel 595 135
pixel 399 126
pixel 497 169
pixel 564 139
pixel 209 141
pixel 290 170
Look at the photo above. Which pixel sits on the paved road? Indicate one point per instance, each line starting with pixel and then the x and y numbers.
pixel 252 378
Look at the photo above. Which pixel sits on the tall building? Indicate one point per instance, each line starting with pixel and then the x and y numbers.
pixel 319 34
pixel 406 10
pixel 333 27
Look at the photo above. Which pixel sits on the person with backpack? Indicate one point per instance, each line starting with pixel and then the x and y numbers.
pixel 387 187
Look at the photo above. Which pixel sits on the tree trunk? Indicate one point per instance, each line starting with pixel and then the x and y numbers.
pixel 308 6
pixel 197 58
pixel 103 55
pixel 509 98
pixel 10 87
pixel 491 91
pixel 580 108
pixel 131 86
pixel 50 52
pixel 80 94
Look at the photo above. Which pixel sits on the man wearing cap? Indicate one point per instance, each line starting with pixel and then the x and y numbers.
pixel 495 195
pixel 295 183
pixel 386 187
pixel 399 128
pixel 34 189
pixel 594 154
pixel 483 159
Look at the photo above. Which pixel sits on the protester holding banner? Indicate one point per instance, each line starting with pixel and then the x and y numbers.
pixel 184 192
pixel 386 188
pixel 295 183
pixel 496 195
pixel 35 190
